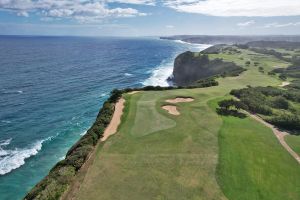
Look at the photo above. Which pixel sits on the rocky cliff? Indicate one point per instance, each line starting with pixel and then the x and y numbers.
pixel 190 67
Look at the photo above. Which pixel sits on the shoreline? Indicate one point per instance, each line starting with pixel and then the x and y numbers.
pixel 80 153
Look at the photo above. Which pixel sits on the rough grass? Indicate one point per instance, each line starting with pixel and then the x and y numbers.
pixel 179 159
pixel 294 142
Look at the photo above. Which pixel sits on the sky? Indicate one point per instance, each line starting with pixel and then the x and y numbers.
pixel 149 17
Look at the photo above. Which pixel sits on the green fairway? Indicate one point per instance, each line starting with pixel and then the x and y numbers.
pixel 252 164
pixel 196 155
pixel 174 163
pixel 294 142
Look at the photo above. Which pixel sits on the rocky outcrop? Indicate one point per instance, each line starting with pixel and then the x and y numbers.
pixel 190 67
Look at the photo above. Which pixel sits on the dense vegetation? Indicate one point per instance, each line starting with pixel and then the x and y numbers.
pixel 231 107
pixel 293 71
pixel 272 52
pixel 275 105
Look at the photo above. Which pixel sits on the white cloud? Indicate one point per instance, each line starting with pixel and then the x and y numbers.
pixel 249 8
pixel 141 2
pixel 244 24
pixel 82 10
pixel 170 26
pixel 23 13
pixel 278 25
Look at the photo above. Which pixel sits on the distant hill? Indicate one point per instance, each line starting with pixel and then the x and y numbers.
pixel 231 39
pixel 275 44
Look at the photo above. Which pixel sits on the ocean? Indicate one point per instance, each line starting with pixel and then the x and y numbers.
pixel 51 89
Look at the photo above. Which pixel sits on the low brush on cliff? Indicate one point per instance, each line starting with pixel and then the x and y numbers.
pixel 190 67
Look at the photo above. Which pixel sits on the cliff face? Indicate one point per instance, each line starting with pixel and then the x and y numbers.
pixel 190 67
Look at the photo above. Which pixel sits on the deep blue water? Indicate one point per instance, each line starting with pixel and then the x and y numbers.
pixel 51 89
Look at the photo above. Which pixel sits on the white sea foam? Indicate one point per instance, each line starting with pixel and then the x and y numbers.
pixel 20 91
pixel 103 95
pixel 6 122
pixel 128 74
pixel 196 47
pixel 83 133
pixel 62 158
pixel 161 73
pixel 11 159
pixel 5 142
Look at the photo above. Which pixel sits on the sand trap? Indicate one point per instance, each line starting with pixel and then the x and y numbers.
pixel 115 121
pixel 133 92
pixel 171 109
pixel 284 84
pixel 180 100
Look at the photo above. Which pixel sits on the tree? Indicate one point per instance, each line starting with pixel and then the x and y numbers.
pixel 115 95
pixel 282 77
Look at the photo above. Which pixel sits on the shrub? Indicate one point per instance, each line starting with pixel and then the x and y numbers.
pixel 282 77
pixel 280 102
pixel 289 122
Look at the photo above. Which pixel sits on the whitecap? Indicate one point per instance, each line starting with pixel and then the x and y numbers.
pixel 194 46
pixel 83 133
pixel 103 95
pixel 159 75
pixel 6 121
pixel 128 74
pixel 20 91
pixel 2 144
pixel 62 158
pixel 5 142
pixel 11 159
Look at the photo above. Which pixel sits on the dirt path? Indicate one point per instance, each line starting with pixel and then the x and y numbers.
pixel 115 121
pixel 279 135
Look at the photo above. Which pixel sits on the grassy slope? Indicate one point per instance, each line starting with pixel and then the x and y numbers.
pixel 167 162
pixel 174 163
pixel 294 142
pixel 252 164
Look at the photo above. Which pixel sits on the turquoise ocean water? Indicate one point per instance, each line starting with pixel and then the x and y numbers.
pixel 51 89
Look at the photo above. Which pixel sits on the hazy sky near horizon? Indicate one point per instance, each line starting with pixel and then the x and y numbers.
pixel 149 17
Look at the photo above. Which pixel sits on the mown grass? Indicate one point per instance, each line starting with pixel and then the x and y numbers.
pixel 252 163
pixel 173 163
pixel 294 142
pixel 178 159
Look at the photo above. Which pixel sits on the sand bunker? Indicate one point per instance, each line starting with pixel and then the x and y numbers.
pixel 284 84
pixel 180 100
pixel 133 92
pixel 171 109
pixel 115 121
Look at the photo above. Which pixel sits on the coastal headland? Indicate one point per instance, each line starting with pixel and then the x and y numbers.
pixel 137 150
